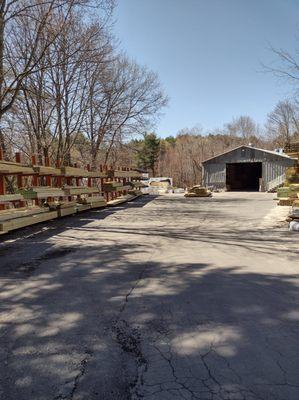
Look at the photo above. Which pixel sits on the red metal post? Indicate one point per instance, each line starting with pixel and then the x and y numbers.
pixel 59 178
pixel 2 182
pixel 19 176
pixel 35 179
pixel 48 177
pixel 105 169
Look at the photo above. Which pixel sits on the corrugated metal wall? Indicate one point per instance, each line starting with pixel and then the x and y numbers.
pixel 274 166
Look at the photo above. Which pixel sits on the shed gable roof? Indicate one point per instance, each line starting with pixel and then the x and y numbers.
pixel 249 147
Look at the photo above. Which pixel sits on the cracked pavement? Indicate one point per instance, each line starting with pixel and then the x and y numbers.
pixel 164 298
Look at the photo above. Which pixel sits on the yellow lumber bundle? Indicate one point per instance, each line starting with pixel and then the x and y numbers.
pixel 77 190
pixel 112 186
pixel 19 218
pixel 10 197
pixel 198 191
pixel 93 201
pixel 75 172
pixel 41 192
pixel 43 171
pixel 11 168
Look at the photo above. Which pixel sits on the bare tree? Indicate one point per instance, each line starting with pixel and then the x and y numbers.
pixel 21 58
pixel 283 122
pixel 244 127
pixel 124 99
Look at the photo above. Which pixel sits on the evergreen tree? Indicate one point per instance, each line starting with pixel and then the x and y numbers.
pixel 148 154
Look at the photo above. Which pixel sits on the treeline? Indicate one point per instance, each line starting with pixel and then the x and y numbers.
pixel 180 156
pixel 66 91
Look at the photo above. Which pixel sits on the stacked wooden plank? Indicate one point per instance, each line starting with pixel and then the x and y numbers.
pixel 63 208
pixel 120 200
pixel 4 198
pixel 293 217
pixel 41 192
pixel 114 186
pixel 59 200
pixel 75 172
pixel 127 174
pixel 78 190
pixel 292 150
pixel 98 174
pixel 11 168
pixel 44 171
pixel 138 184
pixel 83 207
pixel 198 191
pixel 19 218
pixel 93 201
pixel 294 213
pixel 288 194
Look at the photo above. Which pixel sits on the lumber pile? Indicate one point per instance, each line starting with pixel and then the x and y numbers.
pixel 93 201
pixel 67 191
pixel 135 192
pixel 113 186
pixel 4 198
pixel 294 213
pixel 98 174
pixel 21 217
pixel 11 168
pixel 293 217
pixel 286 195
pixel 198 191
pixel 138 184
pixel 41 192
pixel 78 190
pixel 126 174
pixel 44 171
pixel 83 207
pixel 63 208
pixel 75 172
pixel 121 199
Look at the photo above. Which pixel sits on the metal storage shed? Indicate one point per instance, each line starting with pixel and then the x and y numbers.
pixel 246 168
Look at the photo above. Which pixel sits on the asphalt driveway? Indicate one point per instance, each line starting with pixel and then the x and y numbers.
pixel 164 298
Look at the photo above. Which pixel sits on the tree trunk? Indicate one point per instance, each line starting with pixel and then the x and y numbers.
pixel 2 7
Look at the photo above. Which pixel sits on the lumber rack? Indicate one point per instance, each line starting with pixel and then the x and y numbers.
pixel 34 193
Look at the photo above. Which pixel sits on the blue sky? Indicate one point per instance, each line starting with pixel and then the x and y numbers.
pixel 208 55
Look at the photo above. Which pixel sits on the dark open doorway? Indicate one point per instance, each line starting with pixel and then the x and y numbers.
pixel 243 176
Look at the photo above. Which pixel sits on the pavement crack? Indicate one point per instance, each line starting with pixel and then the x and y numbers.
pixel 129 339
pixel 138 280
pixel 175 376
pixel 76 381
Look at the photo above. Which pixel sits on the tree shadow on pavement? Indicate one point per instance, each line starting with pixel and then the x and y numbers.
pixel 98 324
